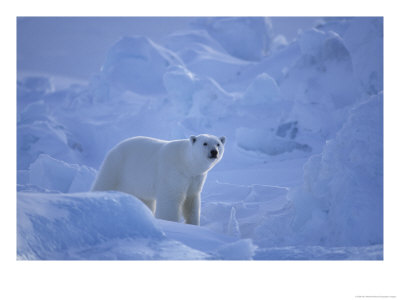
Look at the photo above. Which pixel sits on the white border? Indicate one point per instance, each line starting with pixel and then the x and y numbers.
pixel 197 280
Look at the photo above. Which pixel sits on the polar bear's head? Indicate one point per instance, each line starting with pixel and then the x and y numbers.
pixel 207 150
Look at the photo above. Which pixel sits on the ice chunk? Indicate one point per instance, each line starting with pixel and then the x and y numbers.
pixel 180 86
pixel 53 174
pixel 321 84
pixel 278 43
pixel 210 99
pixel 323 46
pixel 262 90
pixel 266 142
pixel 180 40
pixel 324 72
pixel 38 132
pixel 254 211
pixel 276 65
pixel 241 250
pixel 138 64
pixel 195 237
pixel 205 57
pixel 274 228
pixel 261 104
pixel 341 201
pixel 245 38
pixel 233 224
pixel 42 137
pixel 196 96
pixel 32 112
pixel 363 38
pixel 311 41
pixel 222 67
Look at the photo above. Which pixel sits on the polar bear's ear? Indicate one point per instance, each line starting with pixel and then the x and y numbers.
pixel 192 139
pixel 222 139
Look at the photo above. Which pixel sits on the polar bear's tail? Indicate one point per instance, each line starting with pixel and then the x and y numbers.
pixel 106 179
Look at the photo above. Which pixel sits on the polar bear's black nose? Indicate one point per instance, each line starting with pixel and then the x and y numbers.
pixel 214 153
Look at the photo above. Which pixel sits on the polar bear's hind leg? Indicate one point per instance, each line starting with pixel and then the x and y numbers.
pixel 107 177
pixel 151 204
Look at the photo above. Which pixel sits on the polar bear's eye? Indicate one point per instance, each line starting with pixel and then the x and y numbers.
pixel 217 145
pixel 205 144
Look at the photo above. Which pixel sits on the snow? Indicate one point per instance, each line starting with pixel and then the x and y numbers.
pixel 267 142
pixel 138 64
pixel 49 173
pixel 364 39
pixel 112 225
pixel 86 226
pixel 350 167
pixel 233 224
pixel 31 89
pixel 263 89
pixel 245 38
pixel 302 173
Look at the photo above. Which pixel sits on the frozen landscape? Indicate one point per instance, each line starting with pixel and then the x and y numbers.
pixel 302 173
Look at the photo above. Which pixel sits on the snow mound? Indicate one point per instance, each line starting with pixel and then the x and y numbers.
pixel 49 225
pixel 245 38
pixel 49 173
pixel 138 64
pixel 106 225
pixel 341 201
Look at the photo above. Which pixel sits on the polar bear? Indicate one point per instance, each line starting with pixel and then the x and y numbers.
pixel 167 176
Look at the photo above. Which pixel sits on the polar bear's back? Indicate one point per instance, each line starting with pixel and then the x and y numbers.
pixel 131 167
pixel 142 146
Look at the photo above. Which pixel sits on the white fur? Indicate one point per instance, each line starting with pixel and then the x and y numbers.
pixel 167 176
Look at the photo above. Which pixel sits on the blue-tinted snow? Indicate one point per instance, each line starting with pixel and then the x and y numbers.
pixel 302 174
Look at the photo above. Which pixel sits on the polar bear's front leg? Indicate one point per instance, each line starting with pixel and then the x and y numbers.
pixel 191 210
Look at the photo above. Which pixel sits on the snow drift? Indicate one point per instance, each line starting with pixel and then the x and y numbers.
pixel 111 225
pixel 340 202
